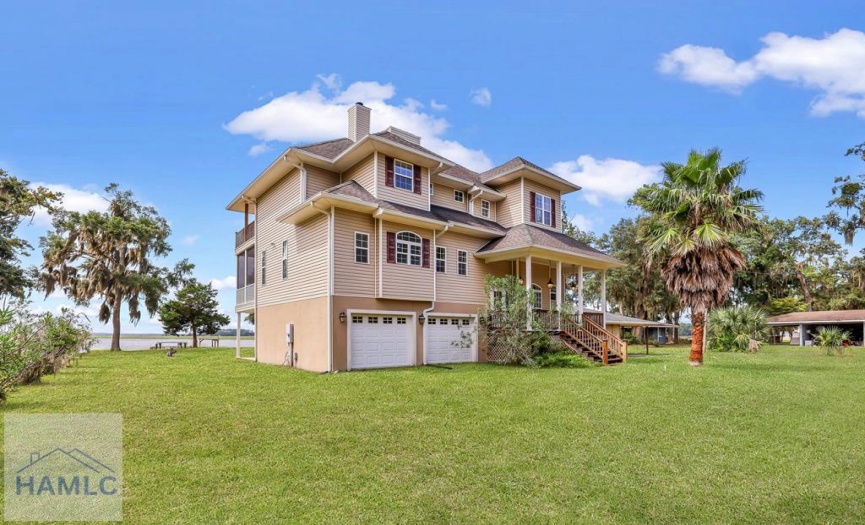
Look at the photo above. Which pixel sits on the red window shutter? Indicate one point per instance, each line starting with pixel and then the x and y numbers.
pixel 417 178
pixel 532 206
pixel 388 171
pixel 425 252
pixel 391 247
pixel 553 211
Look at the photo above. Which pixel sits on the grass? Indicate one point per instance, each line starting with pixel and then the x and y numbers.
pixel 772 438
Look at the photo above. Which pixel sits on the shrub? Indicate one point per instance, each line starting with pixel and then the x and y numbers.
pixel 831 338
pixel 34 345
pixel 736 329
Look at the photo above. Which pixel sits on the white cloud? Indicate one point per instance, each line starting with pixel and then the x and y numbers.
pixel 258 149
pixel 73 200
pixel 437 106
pixel 606 179
pixel 481 97
pixel 831 65
pixel 582 222
pixel 229 283
pixel 320 113
pixel 190 240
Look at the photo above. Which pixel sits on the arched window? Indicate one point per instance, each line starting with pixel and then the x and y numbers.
pixel 408 248
pixel 536 297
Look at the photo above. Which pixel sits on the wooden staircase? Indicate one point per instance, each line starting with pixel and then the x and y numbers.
pixel 592 341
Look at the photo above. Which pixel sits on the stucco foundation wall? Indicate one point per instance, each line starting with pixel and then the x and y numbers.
pixel 310 333
pixel 344 304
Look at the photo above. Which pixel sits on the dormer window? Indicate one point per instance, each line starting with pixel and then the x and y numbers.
pixel 403 175
pixel 459 196
pixel 485 209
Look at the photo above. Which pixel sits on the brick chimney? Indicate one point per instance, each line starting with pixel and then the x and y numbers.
pixel 358 121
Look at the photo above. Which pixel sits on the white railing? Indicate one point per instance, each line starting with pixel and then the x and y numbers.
pixel 245 295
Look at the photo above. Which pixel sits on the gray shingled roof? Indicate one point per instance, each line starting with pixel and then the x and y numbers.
pixel 515 163
pixel 525 235
pixel 329 149
pixel 449 215
pixel 822 317
pixel 520 236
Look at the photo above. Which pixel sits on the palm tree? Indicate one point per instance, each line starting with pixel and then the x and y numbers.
pixel 108 255
pixel 692 216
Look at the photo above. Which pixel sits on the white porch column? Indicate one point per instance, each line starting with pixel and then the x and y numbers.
pixel 580 304
pixel 604 297
pixel 237 338
pixel 801 335
pixel 559 293
pixel 529 290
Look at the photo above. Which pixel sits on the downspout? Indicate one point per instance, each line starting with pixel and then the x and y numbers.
pixel 329 214
pixel 472 201
pixel 435 287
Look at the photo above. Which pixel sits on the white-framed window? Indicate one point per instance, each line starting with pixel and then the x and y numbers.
pixel 373 320
pixel 553 297
pixel 498 300
pixel 387 320
pixel 361 247
pixel 459 196
pixel 465 322
pixel 400 320
pixel 543 209
pixel 403 175
pixel 285 259
pixel 356 319
pixel 408 248
pixel 455 322
pixel 536 297
pixel 431 189
pixel 462 262
pixel 431 320
pixel 485 208
pixel 441 259
pixel 264 267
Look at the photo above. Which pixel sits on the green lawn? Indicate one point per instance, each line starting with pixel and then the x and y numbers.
pixel 769 438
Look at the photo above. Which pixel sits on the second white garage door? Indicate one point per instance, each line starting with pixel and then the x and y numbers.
pixel 446 342
pixel 379 341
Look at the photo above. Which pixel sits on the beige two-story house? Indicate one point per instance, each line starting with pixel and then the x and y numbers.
pixel 371 251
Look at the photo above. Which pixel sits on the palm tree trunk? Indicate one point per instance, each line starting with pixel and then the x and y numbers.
pixel 115 322
pixel 698 318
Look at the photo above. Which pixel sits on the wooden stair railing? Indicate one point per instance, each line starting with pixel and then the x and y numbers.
pixel 593 344
pixel 616 346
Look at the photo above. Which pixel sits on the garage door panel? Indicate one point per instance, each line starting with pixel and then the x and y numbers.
pixel 379 341
pixel 445 341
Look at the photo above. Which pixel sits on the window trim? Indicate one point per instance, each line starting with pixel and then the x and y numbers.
pixel 263 267
pixel 538 294
pixel 396 175
pixel 553 298
pixel 443 260
pixel 284 260
pixel 462 194
pixel 462 264
pixel 540 210
pixel 356 247
pixel 409 245
pixel 485 210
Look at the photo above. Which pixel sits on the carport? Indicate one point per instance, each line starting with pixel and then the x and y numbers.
pixel 807 324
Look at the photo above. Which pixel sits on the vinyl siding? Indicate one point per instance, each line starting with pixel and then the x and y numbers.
pixel 452 287
pixel 509 209
pixel 363 173
pixel 352 278
pixel 444 196
pixel 532 186
pixel 476 209
pixel 403 196
pixel 402 281
pixel 307 247
pixel 318 179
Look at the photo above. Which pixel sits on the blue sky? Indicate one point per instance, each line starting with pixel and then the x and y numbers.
pixel 173 102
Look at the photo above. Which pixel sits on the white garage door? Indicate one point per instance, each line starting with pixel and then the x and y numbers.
pixel 379 341
pixel 445 340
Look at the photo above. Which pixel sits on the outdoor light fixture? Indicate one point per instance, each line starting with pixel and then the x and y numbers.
pixel 342 317
pixel 421 319
pixel 551 284
pixel 522 281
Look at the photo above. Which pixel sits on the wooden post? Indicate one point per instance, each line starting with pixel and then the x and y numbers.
pixel 559 291
pixel 529 290
pixel 580 304
pixel 604 298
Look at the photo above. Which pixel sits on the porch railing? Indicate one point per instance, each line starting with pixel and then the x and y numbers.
pixel 244 234
pixel 615 345
pixel 245 295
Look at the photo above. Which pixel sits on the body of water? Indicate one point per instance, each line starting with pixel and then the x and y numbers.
pixel 145 343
